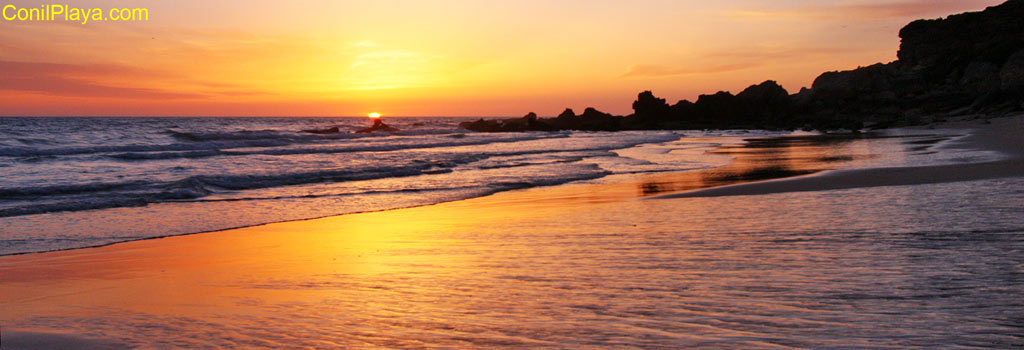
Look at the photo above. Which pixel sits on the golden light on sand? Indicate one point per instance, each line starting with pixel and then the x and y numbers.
pixel 374 115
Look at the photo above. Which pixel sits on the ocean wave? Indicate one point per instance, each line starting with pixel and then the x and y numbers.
pixel 295 136
pixel 250 181
pixel 250 135
pixel 76 205
pixel 398 145
pixel 64 151
pixel 35 141
pixel 90 196
pixel 230 136
pixel 42 191
pixel 135 193
pixel 579 172
pixel 278 146
pixel 193 189
pixel 245 182
pixel 166 155
pixel 157 163
pixel 325 195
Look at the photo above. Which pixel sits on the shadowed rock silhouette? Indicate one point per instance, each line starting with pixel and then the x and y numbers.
pixel 378 125
pixel 970 63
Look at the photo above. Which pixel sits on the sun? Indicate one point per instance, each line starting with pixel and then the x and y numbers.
pixel 374 115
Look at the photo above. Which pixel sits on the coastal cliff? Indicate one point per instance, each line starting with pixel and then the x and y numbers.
pixel 970 63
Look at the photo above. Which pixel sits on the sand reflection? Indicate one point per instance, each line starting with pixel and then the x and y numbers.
pixel 769 158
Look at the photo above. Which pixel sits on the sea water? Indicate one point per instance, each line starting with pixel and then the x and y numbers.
pixel 79 182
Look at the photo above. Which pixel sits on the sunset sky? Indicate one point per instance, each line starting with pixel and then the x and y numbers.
pixel 434 58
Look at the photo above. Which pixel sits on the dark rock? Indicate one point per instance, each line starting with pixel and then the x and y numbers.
pixel 482 125
pixel 595 120
pixel 851 83
pixel 715 111
pixel 766 105
pixel 980 78
pixel 592 113
pixel 768 92
pixel 937 47
pixel 965 63
pixel 529 122
pixel 648 108
pixel 590 120
pixel 1011 77
pixel 378 126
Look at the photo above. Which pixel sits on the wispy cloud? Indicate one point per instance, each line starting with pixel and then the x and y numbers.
pixel 107 81
pixel 77 80
pixel 865 11
pixel 391 69
pixel 729 60
pixel 651 70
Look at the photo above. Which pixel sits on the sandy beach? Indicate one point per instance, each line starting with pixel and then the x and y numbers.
pixel 558 267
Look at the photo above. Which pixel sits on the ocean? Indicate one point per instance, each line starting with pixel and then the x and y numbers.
pixel 81 182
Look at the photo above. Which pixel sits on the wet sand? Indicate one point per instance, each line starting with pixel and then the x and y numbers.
pixel 1005 135
pixel 234 277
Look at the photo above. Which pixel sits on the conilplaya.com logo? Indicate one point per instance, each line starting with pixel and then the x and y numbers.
pixel 57 12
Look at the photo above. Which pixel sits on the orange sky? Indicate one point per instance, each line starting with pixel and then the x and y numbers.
pixel 434 58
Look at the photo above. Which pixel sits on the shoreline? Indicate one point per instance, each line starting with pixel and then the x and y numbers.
pixel 239 271
pixel 999 134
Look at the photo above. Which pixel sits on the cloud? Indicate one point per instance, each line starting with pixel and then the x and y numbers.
pixel 866 11
pixel 105 80
pixel 77 80
pixel 650 70
pixel 147 62
pixel 392 69
pixel 730 60
pixel 776 52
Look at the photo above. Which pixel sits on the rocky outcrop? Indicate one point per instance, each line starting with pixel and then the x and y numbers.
pixel 590 120
pixel 936 48
pixel 529 122
pixel 378 126
pixel 649 110
pixel 960 64
pixel 980 78
pixel 965 63
pixel 765 105
pixel 1011 76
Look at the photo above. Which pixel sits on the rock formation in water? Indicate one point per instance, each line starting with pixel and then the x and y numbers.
pixel 970 63
pixel 378 125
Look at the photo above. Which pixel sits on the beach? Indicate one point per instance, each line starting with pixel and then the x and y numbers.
pixel 907 257
pixel 1003 135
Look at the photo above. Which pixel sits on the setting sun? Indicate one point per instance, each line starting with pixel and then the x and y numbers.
pixel 374 115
